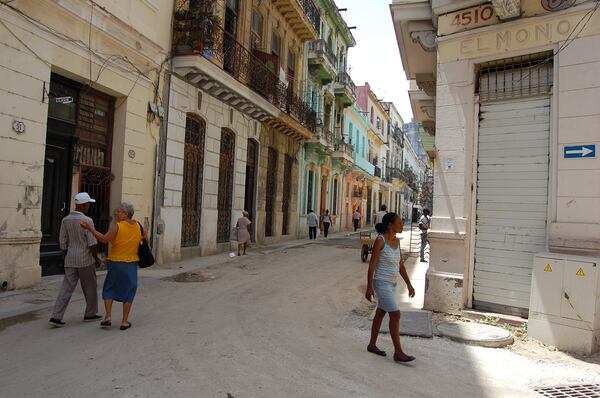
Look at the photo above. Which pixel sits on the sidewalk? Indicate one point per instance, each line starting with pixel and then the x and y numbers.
pixel 16 303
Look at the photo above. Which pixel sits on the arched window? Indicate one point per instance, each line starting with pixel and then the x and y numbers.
pixel 310 183
pixel 193 167
pixel 225 195
pixel 372 115
pixel 334 206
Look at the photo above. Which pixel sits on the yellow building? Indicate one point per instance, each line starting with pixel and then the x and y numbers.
pixel 81 109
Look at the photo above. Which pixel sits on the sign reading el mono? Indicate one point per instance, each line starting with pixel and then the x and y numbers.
pixel 524 36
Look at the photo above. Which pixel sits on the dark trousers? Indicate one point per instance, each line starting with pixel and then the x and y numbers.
pixel 87 277
pixel 325 228
pixel 312 232
pixel 355 221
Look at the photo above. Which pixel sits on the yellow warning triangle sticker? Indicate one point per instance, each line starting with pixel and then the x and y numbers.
pixel 580 272
pixel 548 268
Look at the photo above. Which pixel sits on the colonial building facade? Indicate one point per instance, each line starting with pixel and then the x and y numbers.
pixel 235 124
pixel 81 110
pixel 503 84
pixel 327 157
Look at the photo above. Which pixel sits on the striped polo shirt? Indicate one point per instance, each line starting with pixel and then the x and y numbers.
pixel 76 240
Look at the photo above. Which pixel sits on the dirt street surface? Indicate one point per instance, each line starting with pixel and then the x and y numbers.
pixel 284 324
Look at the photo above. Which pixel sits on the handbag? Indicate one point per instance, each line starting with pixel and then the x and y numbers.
pixel 233 235
pixel 144 252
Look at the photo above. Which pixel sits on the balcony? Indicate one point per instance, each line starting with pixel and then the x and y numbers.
pixel 322 141
pixel 302 15
pixel 321 61
pixel 345 89
pixel 343 152
pixel 213 60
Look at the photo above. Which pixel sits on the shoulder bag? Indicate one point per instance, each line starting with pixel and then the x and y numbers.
pixel 144 252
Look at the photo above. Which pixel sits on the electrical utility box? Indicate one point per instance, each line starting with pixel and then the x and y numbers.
pixel 564 310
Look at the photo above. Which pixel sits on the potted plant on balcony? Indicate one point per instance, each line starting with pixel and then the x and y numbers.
pixel 195 26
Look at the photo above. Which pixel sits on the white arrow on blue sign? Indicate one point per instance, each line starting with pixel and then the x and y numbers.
pixel 580 151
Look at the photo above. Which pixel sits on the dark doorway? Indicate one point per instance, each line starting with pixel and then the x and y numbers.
pixel 225 196
pixel 271 191
pixel 251 167
pixel 287 194
pixel 58 168
pixel 193 168
pixel 55 199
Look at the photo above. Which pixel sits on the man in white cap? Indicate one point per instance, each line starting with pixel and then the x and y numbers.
pixel 81 259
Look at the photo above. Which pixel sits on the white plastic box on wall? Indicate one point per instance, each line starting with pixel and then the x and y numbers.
pixel 565 302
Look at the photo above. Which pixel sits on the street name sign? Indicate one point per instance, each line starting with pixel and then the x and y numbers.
pixel 580 151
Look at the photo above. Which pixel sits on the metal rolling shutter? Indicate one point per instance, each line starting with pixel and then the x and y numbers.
pixel 512 199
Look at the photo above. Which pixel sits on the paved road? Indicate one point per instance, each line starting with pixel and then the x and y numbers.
pixel 277 325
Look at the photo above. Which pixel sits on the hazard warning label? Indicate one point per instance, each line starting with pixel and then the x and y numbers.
pixel 580 272
pixel 548 268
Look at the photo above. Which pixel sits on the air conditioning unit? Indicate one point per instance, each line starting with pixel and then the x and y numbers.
pixel 564 310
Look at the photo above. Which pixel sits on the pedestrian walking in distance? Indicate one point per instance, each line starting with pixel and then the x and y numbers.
pixel 356 219
pixel 326 223
pixel 313 222
pixel 424 224
pixel 385 267
pixel 243 231
pixel 79 248
pixel 380 214
pixel 120 284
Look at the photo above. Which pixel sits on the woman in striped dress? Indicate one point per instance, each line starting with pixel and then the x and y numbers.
pixel 385 266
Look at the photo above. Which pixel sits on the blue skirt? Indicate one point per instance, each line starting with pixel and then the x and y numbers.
pixel 386 295
pixel 121 282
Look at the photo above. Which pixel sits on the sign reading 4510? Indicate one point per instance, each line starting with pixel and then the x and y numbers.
pixel 470 18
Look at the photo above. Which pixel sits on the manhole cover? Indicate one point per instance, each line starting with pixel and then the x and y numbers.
pixel 580 391
pixel 476 333
pixel 194 276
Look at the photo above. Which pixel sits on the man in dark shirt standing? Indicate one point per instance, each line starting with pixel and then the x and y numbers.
pixel 79 247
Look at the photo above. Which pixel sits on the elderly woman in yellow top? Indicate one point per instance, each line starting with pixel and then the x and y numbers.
pixel 120 284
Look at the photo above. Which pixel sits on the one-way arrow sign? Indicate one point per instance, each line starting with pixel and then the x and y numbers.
pixel 580 151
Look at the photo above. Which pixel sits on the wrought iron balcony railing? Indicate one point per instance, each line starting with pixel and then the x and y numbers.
pixel 312 13
pixel 321 49
pixel 344 79
pixel 205 37
pixel 377 171
pixel 345 148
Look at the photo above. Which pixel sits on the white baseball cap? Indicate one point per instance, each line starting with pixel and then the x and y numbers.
pixel 83 197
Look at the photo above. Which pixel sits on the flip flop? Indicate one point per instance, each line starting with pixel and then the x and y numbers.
pixel 125 327
pixel 407 358
pixel 106 323
pixel 377 351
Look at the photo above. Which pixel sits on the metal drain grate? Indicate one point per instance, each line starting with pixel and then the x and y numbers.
pixel 576 391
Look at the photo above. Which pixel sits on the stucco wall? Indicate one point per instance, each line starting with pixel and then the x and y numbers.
pixel 24 72
pixel 216 114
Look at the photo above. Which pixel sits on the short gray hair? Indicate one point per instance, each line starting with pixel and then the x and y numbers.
pixel 245 213
pixel 128 207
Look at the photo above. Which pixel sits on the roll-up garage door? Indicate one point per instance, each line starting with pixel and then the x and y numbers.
pixel 512 200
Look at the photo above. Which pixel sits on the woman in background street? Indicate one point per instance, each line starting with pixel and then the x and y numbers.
pixel 385 266
pixel 120 284
pixel 243 231
pixel 326 223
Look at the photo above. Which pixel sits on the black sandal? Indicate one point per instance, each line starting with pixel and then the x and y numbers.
pixel 125 327
pixel 106 323
pixel 405 359
pixel 377 351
